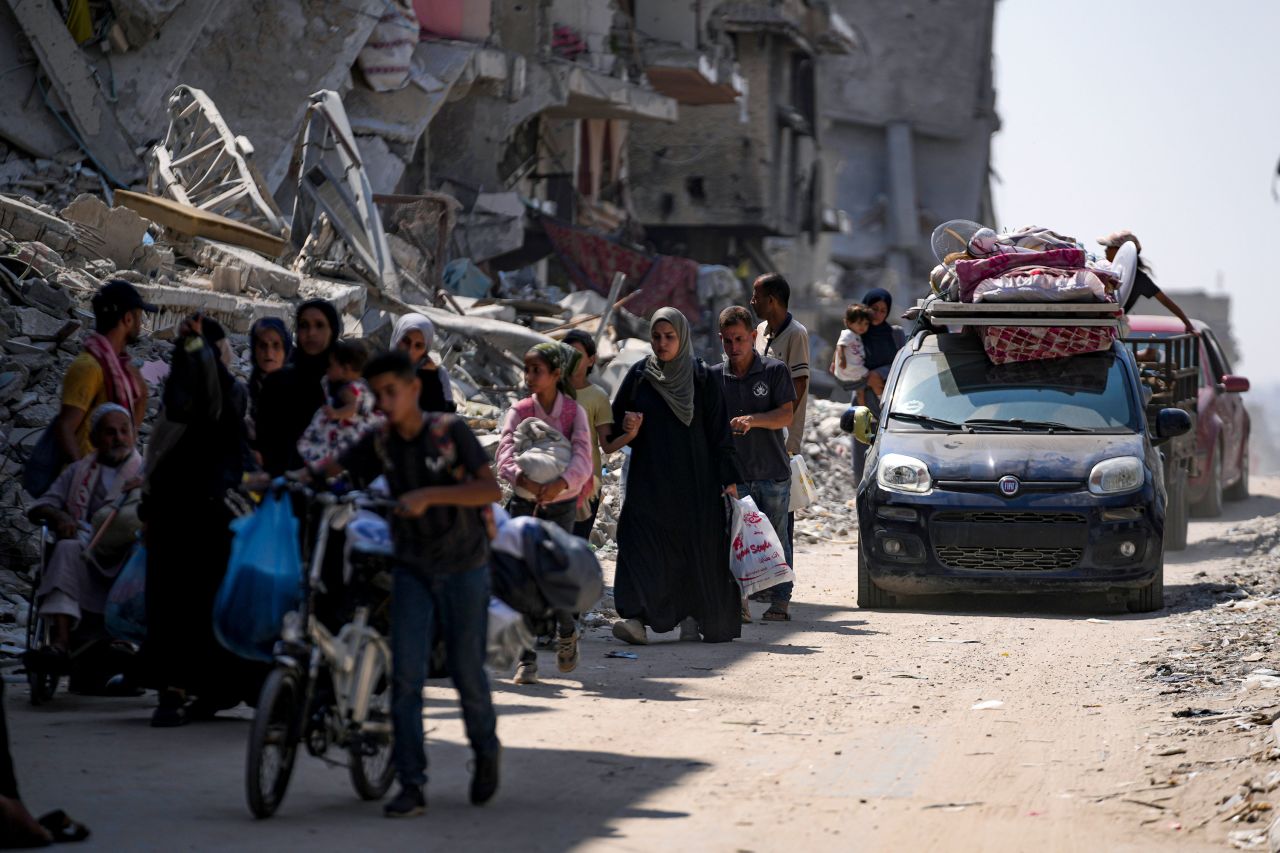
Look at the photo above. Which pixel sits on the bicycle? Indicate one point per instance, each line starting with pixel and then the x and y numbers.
pixel 330 689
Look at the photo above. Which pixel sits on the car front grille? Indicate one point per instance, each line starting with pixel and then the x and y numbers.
pixel 1011 559
pixel 1001 517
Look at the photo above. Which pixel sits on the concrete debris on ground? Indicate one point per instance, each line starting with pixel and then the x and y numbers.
pixel 1227 679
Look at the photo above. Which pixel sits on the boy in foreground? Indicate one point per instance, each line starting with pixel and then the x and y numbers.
pixel 442 480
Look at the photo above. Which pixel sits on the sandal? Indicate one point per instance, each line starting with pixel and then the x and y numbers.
pixel 777 612
pixel 63 829
pixel 746 612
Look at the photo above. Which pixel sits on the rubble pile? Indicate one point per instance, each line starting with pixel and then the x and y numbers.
pixel 56 181
pixel 829 454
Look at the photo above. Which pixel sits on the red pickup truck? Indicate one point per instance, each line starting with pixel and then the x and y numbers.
pixel 1221 467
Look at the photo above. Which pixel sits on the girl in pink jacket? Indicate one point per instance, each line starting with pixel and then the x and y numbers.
pixel 548 371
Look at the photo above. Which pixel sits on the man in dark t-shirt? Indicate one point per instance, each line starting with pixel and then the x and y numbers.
pixel 1143 285
pixel 441 478
pixel 760 398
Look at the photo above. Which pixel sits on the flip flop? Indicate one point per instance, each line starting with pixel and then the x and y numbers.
pixel 63 829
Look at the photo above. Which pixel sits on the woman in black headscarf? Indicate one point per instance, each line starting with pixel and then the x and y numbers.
pixel 198 451
pixel 291 396
pixel 882 342
pixel 673 543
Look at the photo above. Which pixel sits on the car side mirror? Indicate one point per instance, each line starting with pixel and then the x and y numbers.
pixel 864 425
pixel 1234 384
pixel 1171 423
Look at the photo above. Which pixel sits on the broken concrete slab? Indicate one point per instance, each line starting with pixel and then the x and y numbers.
pixel 24 119
pixel 39 326
pixel 76 84
pixel 38 415
pixel 493 226
pixel 382 166
pixel 403 115
pixel 258 273
pixel 142 20
pixel 26 222
pixel 114 233
pixel 235 313
pixel 509 337
pixel 33 257
pixel 348 298
pixel 52 300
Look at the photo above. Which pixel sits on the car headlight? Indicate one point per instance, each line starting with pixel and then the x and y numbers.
pixel 899 473
pixel 1116 476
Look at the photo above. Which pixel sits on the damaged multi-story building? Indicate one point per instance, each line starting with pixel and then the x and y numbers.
pixel 910 119
pixel 742 179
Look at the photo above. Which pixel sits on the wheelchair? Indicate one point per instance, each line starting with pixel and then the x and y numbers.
pixel 97 661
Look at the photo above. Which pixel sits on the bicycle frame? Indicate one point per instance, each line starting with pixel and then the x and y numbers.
pixel 355 656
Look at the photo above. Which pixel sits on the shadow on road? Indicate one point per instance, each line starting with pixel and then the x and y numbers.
pixel 142 789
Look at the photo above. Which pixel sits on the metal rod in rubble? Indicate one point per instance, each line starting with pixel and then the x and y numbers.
pixel 619 279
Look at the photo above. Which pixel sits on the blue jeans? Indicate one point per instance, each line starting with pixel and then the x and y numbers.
pixel 459 603
pixel 773 498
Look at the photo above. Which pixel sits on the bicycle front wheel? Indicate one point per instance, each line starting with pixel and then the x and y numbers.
pixel 273 741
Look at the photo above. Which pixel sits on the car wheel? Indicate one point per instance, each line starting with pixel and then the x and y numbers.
pixel 1175 511
pixel 1150 598
pixel 1239 490
pixel 870 596
pixel 1210 506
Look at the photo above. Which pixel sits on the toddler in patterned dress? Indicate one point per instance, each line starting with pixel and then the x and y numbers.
pixel 348 412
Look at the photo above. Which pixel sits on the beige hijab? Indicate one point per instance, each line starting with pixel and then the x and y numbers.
pixel 674 379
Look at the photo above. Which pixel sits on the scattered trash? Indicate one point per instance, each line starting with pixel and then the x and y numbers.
pixel 1156 806
pixel 955 642
pixel 1196 712
pixel 623 655
pixel 1097 621
pixel 952 807
pixel 1176 750
pixel 988 705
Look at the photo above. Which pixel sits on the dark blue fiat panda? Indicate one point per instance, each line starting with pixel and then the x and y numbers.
pixel 1039 476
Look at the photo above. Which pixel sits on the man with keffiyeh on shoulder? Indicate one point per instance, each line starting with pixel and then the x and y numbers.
pixel 103 373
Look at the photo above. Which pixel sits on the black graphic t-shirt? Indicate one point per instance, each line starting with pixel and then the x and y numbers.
pixel 445 539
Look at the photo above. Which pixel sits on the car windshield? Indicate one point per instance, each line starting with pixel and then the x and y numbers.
pixel 1081 393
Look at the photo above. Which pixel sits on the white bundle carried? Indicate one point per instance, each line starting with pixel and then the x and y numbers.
pixel 542 452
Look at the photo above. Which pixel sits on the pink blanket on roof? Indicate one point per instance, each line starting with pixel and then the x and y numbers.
pixel 972 272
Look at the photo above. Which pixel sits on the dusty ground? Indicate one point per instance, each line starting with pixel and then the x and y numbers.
pixel 843 730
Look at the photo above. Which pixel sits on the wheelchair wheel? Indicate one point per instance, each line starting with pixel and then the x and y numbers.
pixel 43 684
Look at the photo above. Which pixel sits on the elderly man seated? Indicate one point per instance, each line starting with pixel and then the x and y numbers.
pixel 76 508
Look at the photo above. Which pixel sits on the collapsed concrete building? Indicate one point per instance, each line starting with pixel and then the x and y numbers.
pixel 911 118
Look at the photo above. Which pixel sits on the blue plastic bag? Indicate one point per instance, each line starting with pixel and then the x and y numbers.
pixel 126 610
pixel 263 580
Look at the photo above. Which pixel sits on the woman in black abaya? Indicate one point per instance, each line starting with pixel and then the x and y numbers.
pixel 291 396
pixel 198 451
pixel 673 542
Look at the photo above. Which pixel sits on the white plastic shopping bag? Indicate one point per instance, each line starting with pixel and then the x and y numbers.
pixel 756 554
pixel 803 491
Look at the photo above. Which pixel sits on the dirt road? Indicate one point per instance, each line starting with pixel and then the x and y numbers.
pixel 842 730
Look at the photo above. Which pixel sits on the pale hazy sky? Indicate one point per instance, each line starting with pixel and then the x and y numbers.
pixel 1160 116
